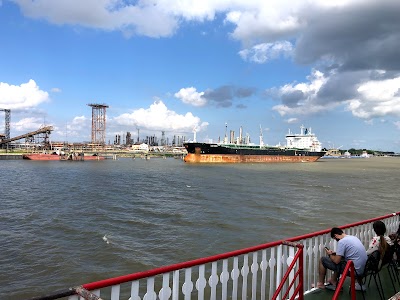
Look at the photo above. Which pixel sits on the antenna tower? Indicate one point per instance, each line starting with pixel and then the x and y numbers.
pixel 98 123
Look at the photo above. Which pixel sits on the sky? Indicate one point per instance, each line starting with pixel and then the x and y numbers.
pixel 206 66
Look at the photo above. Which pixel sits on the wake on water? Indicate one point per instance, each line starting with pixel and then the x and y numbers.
pixel 105 238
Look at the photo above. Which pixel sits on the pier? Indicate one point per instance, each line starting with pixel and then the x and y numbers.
pixel 7 156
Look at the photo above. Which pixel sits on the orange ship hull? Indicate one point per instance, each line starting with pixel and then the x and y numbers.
pixel 232 158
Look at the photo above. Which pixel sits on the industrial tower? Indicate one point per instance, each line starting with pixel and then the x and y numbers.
pixel 7 113
pixel 98 123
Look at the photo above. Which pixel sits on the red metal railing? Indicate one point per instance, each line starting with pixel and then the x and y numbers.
pixel 209 259
pixel 349 267
pixel 298 276
pixel 273 256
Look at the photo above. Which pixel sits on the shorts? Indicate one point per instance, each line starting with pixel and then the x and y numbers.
pixel 329 264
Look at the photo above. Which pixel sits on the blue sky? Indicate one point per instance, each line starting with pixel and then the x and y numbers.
pixel 180 66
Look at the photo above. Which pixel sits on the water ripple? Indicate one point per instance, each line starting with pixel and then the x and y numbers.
pixel 64 224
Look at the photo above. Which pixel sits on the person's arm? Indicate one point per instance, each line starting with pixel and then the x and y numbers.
pixel 332 255
pixel 335 258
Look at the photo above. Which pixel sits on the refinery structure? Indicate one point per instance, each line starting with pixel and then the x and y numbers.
pixel 39 139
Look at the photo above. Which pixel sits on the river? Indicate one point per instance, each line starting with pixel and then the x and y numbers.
pixel 68 223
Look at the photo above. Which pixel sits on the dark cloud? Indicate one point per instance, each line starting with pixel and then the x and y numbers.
pixel 343 86
pixel 244 92
pixel 225 95
pixel 241 106
pixel 292 98
pixel 340 87
pixel 378 75
pixel 350 46
pixel 357 37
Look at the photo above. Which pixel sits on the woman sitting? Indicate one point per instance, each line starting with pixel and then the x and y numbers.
pixel 381 242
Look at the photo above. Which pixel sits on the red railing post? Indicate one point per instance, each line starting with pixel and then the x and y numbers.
pixel 349 266
pixel 298 275
pixel 228 255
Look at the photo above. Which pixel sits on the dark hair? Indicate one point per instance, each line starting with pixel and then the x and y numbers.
pixel 335 230
pixel 379 228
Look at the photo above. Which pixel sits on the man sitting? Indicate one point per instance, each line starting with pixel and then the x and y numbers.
pixel 348 248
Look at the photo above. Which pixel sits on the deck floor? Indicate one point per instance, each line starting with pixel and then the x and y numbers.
pixel 370 294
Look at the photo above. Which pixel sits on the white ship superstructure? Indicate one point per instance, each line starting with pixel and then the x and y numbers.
pixel 305 140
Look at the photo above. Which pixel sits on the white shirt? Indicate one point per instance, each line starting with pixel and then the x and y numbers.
pixel 375 242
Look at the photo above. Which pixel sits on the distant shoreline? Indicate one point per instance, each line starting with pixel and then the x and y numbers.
pixel 13 155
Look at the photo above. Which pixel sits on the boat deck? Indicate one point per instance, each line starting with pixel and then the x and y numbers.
pixel 256 272
pixel 370 294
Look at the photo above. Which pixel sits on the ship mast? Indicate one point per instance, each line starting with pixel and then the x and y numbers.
pixel 226 138
pixel 194 134
pixel 261 138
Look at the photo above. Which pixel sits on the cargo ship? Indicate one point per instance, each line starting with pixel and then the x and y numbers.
pixel 302 147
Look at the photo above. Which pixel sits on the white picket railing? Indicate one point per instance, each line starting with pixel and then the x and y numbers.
pixel 251 273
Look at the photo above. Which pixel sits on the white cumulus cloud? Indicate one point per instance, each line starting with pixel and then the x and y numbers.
pixel 144 18
pixel 292 120
pixel 302 98
pixel 191 96
pixel 377 98
pixel 26 95
pixel 253 19
pixel 365 97
pixel 27 124
pixel 159 117
pixel 264 52
pixel 75 128
pixel 78 123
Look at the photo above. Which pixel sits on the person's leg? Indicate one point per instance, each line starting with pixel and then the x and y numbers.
pixel 338 269
pixel 322 273
pixel 334 279
pixel 324 264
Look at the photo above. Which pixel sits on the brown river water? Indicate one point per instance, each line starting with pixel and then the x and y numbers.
pixel 64 224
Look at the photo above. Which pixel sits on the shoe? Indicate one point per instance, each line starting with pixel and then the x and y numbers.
pixel 360 287
pixel 332 287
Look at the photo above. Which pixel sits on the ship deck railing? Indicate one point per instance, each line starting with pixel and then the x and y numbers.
pixel 251 273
